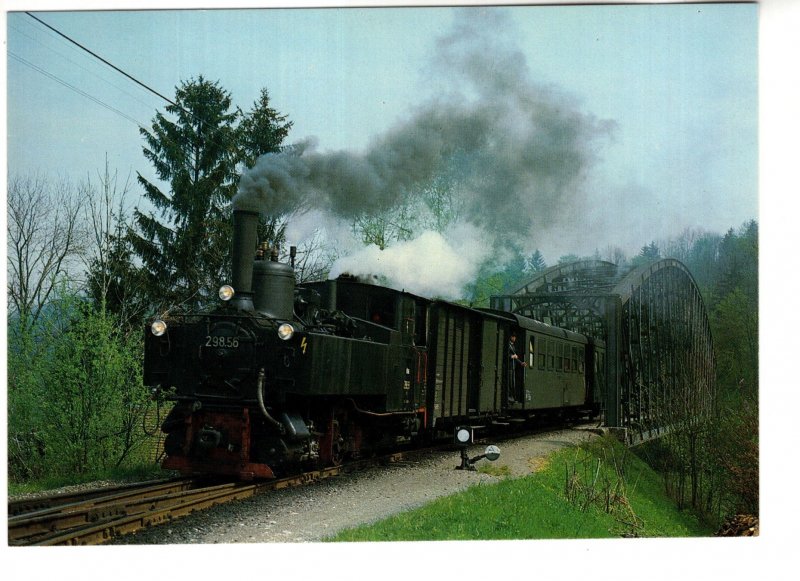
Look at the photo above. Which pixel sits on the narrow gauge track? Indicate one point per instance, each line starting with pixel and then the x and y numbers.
pixel 96 516
pixel 25 506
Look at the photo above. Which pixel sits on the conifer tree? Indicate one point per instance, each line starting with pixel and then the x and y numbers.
pixel 536 262
pixel 198 150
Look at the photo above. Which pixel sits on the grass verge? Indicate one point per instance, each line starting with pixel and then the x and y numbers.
pixel 596 490
pixel 128 474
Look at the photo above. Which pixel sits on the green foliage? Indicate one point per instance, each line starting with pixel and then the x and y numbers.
pixel 735 329
pixel 262 130
pixel 382 228
pixel 492 280
pixel 75 396
pixel 647 254
pixel 199 151
pixel 539 506
pixel 712 464
pixel 435 206
pixel 135 472
pixel 493 469
pixel 734 443
pixel 536 262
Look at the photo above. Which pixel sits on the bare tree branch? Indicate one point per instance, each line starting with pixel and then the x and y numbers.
pixel 44 237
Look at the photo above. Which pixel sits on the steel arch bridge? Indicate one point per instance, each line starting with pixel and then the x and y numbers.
pixel 660 366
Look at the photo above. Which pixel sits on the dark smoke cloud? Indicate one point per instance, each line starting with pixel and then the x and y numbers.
pixel 520 150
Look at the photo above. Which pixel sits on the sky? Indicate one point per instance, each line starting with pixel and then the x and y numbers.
pixel 665 99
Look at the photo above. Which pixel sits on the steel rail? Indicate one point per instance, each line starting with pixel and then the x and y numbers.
pixel 104 517
pixel 84 508
pixel 29 505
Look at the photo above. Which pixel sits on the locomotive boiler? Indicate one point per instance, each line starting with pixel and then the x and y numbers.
pixel 281 376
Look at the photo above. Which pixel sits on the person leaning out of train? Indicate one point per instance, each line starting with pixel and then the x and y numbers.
pixel 512 350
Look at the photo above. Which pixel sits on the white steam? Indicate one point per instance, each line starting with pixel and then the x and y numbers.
pixel 431 265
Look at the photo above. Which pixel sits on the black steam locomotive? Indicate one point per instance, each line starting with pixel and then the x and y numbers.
pixel 282 376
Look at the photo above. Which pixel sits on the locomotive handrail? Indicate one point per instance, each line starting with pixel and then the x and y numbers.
pixel 260 395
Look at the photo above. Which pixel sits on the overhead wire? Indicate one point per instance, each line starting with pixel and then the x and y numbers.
pixel 78 65
pixel 113 66
pixel 74 88
pixel 108 63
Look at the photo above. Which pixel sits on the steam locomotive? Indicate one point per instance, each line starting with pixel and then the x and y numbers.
pixel 282 376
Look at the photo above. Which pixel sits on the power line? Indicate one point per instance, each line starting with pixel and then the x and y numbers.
pixel 116 68
pixel 107 82
pixel 74 88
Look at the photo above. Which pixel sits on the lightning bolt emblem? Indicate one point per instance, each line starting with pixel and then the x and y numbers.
pixel 304 345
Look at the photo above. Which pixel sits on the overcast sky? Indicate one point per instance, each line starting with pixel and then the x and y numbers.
pixel 678 84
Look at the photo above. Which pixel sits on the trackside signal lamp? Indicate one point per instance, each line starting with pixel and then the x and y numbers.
pixel 463 437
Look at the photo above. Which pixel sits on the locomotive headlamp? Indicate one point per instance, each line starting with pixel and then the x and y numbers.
pixel 285 331
pixel 226 292
pixel 158 328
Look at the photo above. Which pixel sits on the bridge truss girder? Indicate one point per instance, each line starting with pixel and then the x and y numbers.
pixel 660 361
pixel 668 366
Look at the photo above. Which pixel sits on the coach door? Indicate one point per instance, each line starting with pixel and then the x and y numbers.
pixel 491 367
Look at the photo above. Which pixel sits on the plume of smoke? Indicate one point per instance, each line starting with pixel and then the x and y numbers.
pixel 520 150
pixel 432 264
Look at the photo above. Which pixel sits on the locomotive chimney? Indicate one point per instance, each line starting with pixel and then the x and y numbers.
pixel 245 239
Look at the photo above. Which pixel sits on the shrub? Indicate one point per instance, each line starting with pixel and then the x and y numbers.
pixel 75 392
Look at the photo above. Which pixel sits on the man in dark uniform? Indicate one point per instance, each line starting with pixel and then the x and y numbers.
pixel 514 361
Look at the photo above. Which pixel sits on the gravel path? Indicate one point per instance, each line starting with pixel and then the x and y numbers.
pixel 312 513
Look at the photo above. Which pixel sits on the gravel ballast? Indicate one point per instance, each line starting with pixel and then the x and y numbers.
pixel 312 513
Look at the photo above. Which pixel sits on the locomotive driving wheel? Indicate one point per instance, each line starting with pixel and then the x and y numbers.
pixel 332 444
pixel 337 444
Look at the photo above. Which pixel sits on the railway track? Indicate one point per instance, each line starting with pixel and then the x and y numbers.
pixel 96 516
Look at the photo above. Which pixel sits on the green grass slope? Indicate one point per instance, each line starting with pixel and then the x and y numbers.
pixel 597 490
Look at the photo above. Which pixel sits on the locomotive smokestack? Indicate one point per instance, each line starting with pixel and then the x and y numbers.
pixel 245 240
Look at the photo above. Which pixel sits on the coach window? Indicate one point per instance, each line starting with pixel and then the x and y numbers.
pixel 559 357
pixel 580 361
pixel 530 352
pixel 551 349
pixel 574 359
pixel 542 354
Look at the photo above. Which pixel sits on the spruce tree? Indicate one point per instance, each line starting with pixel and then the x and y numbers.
pixel 198 150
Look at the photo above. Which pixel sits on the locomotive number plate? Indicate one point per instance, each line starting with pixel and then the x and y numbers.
pixel 221 341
